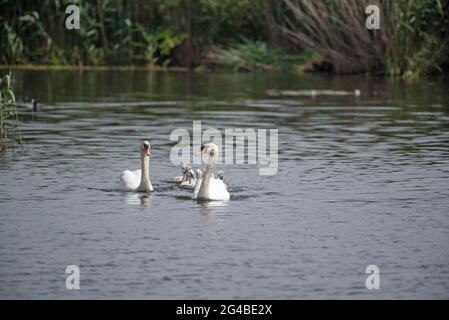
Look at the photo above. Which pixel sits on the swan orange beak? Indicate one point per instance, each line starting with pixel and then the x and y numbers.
pixel 201 150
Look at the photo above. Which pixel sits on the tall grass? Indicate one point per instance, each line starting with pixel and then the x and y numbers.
pixel 123 31
pixel 336 29
pixel 413 38
pixel 421 43
pixel 257 56
pixel 9 131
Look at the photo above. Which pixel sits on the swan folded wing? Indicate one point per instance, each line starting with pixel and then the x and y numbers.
pixel 188 184
pixel 218 190
pixel 197 188
pixel 130 180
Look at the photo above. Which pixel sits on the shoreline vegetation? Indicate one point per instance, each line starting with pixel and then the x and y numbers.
pixel 228 35
pixel 9 130
pixel 45 67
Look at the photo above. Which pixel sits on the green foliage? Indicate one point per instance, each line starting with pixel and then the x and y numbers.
pixel 251 34
pixel 257 55
pixel 226 21
pixel 120 32
pixel 9 131
pixel 422 42
pixel 413 39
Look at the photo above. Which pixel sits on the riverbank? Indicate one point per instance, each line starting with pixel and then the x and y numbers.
pixel 246 57
pixel 237 35
pixel 47 67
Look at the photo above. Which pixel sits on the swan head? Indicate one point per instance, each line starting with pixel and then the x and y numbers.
pixel 198 173
pixel 191 173
pixel 221 175
pixel 210 148
pixel 145 148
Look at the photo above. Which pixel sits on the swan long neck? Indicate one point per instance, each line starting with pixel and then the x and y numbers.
pixel 145 183
pixel 203 193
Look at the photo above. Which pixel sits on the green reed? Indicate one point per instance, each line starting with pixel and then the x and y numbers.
pixel 9 130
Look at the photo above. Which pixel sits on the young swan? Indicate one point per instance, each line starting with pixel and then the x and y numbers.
pixel 191 178
pixel 185 170
pixel 209 188
pixel 198 174
pixel 221 177
pixel 139 180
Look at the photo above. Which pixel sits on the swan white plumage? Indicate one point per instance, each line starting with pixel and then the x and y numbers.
pixel 209 188
pixel 138 180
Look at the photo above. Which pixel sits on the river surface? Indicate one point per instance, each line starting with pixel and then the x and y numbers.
pixel 361 180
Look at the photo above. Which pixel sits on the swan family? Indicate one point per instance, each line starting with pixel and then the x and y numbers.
pixel 204 184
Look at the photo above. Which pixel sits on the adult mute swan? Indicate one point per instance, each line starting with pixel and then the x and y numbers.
pixel 209 188
pixel 139 180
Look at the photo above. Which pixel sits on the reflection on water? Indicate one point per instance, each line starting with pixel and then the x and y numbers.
pixel 362 180
pixel 139 199
pixel 210 208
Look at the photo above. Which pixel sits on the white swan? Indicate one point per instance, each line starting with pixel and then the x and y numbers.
pixel 221 177
pixel 138 180
pixel 209 188
pixel 198 173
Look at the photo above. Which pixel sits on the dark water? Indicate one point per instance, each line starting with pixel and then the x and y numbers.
pixel 361 180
